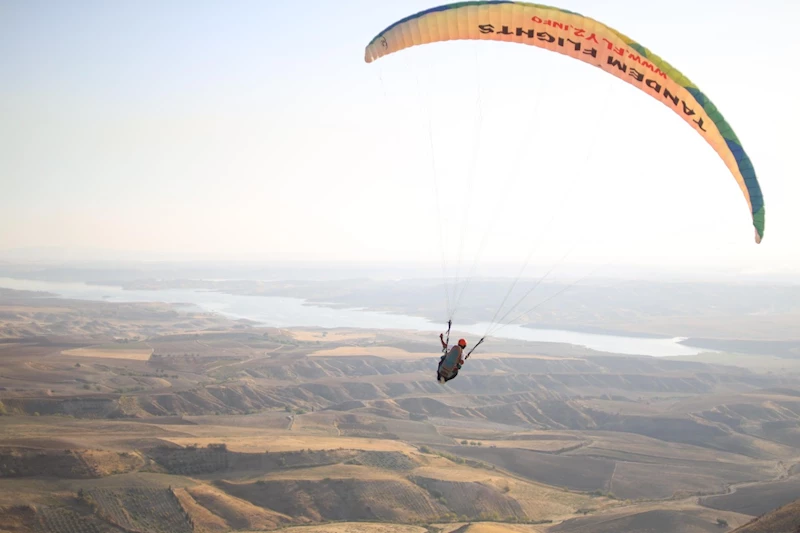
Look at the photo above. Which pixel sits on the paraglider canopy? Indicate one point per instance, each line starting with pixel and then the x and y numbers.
pixel 592 42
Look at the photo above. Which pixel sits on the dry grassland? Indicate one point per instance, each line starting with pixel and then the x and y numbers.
pixel 331 336
pixel 287 443
pixel 136 354
pixel 237 513
pixel 338 471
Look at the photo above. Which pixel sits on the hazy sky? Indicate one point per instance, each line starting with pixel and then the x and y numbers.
pixel 254 129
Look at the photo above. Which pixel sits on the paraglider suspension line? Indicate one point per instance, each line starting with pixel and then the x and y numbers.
pixel 473 348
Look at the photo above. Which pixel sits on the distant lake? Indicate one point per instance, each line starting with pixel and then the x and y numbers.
pixel 295 312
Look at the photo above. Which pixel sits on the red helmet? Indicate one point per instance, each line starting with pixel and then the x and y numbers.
pixel 462 343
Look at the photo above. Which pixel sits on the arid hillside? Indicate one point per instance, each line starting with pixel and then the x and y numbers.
pixel 783 520
pixel 148 418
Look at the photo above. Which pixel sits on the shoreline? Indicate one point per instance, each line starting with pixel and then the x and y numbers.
pixel 418 321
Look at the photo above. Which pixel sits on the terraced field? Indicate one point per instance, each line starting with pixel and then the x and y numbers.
pixel 151 510
pixel 61 520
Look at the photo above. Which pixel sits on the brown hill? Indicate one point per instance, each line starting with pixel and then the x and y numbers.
pixel 758 499
pixel 472 500
pixel 212 506
pixel 192 460
pixel 341 499
pixel 18 519
pixel 203 519
pixel 655 521
pixel 65 463
pixel 785 519
pixel 576 473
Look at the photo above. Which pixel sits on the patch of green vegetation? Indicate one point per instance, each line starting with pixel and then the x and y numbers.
pixel 604 494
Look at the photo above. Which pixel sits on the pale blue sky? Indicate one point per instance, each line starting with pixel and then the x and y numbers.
pixel 254 130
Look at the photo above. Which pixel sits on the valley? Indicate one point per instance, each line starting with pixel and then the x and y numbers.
pixel 144 417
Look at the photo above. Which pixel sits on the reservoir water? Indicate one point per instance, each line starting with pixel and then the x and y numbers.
pixel 295 312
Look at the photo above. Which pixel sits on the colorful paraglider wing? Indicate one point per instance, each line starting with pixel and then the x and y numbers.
pixel 590 41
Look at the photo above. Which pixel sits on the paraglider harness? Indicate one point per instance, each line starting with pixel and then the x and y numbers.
pixel 446 343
